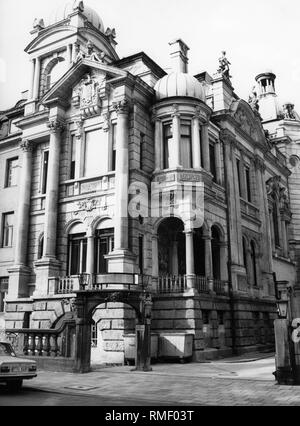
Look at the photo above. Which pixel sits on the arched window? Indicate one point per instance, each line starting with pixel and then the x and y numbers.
pixel 55 70
pixel 77 250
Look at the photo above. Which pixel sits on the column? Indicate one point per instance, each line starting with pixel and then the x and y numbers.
pixel 158 145
pixel 155 265
pixel 218 162
pixel 90 257
pixel 69 53
pixel 56 128
pixel 74 52
pixel 122 170
pixel 196 143
pixel 174 257
pixel 284 238
pixel 36 84
pixel 24 204
pixel 189 256
pixel 19 274
pixel 176 135
pixel 205 146
pixel 31 79
pixel 208 262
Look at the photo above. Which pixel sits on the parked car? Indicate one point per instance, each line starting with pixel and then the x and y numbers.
pixel 13 369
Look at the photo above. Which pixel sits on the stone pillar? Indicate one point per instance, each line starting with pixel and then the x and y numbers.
pixel 74 52
pixel 158 145
pixel 196 143
pixel 48 266
pixel 120 260
pixel 24 204
pixel 36 84
pixel 189 256
pixel 176 135
pixel 205 146
pixel 218 162
pixel 56 128
pixel 155 265
pixel 90 257
pixel 82 346
pixel 69 54
pixel 19 273
pixel 208 256
pixel 31 79
pixel 174 257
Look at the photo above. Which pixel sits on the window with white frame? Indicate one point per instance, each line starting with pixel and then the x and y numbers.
pixel 77 250
pixel 11 172
pixel 3 291
pixel 96 153
pixel 7 229
pixel 186 144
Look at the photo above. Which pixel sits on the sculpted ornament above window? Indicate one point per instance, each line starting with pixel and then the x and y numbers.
pixel 86 95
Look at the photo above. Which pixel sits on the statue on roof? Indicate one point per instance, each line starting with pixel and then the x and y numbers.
pixel 92 55
pixel 253 99
pixel 111 34
pixel 224 65
pixel 288 111
pixel 38 24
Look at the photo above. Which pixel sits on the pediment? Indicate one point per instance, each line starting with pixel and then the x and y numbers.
pixel 87 79
pixel 247 121
pixel 51 36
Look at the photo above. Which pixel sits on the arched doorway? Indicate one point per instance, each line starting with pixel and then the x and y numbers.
pixel 171 247
pixel 109 324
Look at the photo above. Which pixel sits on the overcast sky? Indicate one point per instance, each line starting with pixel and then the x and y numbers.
pixel 257 35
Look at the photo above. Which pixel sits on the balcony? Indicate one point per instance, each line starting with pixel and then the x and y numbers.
pixel 90 185
pixel 249 209
pixel 178 284
pixel 97 282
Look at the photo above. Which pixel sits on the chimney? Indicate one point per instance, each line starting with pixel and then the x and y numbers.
pixel 179 58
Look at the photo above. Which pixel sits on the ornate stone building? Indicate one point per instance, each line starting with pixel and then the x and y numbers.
pixel 94 141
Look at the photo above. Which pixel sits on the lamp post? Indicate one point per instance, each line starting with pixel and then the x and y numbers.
pixel 284 357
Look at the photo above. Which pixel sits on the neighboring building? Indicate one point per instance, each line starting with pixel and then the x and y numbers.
pixel 94 125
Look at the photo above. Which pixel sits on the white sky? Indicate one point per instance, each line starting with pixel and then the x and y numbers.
pixel 257 35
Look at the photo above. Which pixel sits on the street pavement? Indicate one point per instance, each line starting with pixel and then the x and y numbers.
pixel 240 381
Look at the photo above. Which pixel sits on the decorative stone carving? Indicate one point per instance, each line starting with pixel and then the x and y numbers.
pixel 175 111
pixel 111 35
pixel 294 160
pixel 88 93
pixel 78 5
pixel 56 125
pixel 224 66
pixel 39 24
pixel 79 125
pixel 92 55
pixel 122 106
pixel 88 205
pixel 253 102
pixel 273 185
pixel 106 121
pixel 26 145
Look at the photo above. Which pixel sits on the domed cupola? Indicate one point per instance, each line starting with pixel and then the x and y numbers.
pixel 65 11
pixel 178 83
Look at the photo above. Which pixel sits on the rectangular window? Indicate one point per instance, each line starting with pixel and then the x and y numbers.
pixel 168 146
pixel 104 244
pixel 45 171
pixel 77 254
pixel 3 291
pixel 113 160
pixel 7 229
pixel 212 158
pixel 238 166
pixel 248 184
pixel 186 146
pixel 73 157
pixel 96 153
pixel 142 150
pixel 11 172
pixel 205 316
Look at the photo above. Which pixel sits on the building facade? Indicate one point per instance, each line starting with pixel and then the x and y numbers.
pixel 116 174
